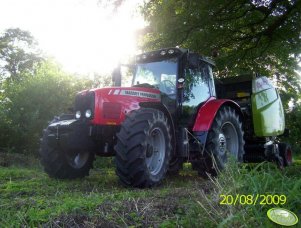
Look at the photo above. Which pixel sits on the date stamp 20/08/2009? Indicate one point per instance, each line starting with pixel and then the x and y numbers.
pixel 252 199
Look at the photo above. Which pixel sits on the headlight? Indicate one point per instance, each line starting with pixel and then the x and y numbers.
pixel 171 51
pixel 77 114
pixel 163 52
pixel 88 113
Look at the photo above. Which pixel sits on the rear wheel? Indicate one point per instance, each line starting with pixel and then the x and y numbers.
pixel 285 153
pixel 63 164
pixel 143 148
pixel 224 138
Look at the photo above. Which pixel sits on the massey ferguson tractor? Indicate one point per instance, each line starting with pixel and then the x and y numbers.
pixel 174 112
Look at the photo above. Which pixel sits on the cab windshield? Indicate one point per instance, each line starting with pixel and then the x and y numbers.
pixel 161 75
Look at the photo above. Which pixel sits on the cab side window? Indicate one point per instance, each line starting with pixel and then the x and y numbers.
pixel 196 88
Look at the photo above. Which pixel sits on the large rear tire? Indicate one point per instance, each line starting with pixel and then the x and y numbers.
pixel 64 164
pixel 224 138
pixel 143 148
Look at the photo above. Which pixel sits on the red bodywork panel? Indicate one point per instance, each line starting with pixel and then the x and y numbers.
pixel 207 113
pixel 112 104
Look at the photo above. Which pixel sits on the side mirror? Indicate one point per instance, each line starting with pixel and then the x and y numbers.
pixel 116 76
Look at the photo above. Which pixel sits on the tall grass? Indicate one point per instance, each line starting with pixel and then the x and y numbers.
pixel 263 179
pixel 28 197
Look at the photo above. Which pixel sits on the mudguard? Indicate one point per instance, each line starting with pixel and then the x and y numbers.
pixel 206 115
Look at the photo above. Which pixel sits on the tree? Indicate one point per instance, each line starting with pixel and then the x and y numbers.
pixel 18 53
pixel 293 120
pixel 248 35
pixel 27 106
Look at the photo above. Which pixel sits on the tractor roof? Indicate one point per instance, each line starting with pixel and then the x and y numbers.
pixel 167 53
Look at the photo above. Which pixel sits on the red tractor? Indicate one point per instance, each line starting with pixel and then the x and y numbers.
pixel 174 112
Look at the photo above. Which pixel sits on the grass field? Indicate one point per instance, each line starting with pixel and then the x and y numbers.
pixel 29 197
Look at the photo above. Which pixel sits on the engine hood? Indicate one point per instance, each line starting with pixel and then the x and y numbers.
pixel 130 91
pixel 112 104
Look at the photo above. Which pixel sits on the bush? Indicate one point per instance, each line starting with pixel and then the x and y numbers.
pixel 262 179
pixel 28 105
pixel 293 123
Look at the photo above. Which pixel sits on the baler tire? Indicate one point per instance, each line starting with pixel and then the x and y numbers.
pixel 226 131
pixel 285 153
pixel 138 163
pixel 56 164
pixel 175 165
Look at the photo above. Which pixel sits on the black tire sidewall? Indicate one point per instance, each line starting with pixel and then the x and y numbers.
pixel 175 165
pixel 131 147
pixel 225 114
pixel 235 121
pixel 283 152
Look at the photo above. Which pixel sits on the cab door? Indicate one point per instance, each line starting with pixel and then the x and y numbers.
pixel 198 88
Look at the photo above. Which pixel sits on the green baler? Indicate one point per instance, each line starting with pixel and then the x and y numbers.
pixel 263 116
pixel 267 110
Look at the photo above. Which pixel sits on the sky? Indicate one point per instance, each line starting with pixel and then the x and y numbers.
pixel 82 35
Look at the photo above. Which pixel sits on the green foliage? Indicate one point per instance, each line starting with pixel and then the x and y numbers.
pixel 262 179
pixel 18 54
pixel 32 90
pixel 245 36
pixel 253 34
pixel 100 81
pixel 30 198
pixel 293 123
pixel 29 104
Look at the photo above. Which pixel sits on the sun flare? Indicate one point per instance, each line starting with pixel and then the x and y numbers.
pixel 82 36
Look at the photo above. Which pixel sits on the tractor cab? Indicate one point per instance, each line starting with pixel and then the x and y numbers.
pixel 184 79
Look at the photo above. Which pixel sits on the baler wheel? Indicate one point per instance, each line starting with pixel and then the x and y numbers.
pixel 285 152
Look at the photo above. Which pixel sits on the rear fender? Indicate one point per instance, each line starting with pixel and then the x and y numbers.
pixel 206 115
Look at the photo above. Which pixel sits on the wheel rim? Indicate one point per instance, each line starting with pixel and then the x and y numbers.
pixel 77 159
pixel 228 141
pixel 155 152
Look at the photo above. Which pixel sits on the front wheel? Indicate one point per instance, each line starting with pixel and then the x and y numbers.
pixel 225 138
pixel 64 164
pixel 143 148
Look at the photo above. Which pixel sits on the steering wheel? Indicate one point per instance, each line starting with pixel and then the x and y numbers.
pixel 167 86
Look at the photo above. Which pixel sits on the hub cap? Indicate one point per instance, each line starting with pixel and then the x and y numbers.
pixel 155 152
pixel 222 144
pixel 77 159
pixel 228 141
